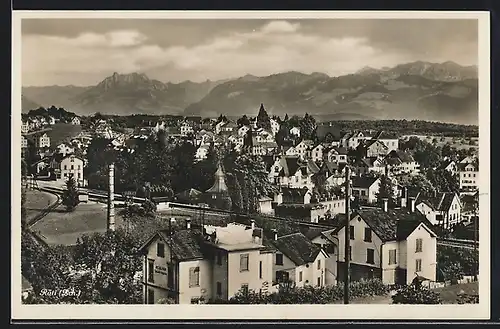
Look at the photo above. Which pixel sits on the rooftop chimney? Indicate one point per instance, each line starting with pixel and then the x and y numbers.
pixel 412 204
pixel 386 204
pixel 188 223
pixel 404 196
pixel 111 198
pixel 253 224
pixel 275 234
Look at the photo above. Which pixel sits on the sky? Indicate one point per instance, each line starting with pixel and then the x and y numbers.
pixel 83 52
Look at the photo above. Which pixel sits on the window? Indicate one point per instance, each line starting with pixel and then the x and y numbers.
pixel 418 265
pixel 300 276
pixel 392 256
pixel 160 250
pixel 363 192
pixel 260 270
pixel 194 277
pixel 282 276
pixel 279 259
pixel 243 262
pixel 79 167
pixel 350 252
pixel 319 282
pixel 351 232
pixel 219 288
pixel 151 296
pixel 370 256
pixel 368 234
pixel 319 264
pixel 418 246
pixel 151 269
pixel 218 258
pixel 72 167
pixel 65 167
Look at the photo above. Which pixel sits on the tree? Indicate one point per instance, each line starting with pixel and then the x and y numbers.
pixel 443 180
pixel 386 189
pixel 70 198
pixel 418 182
pixel 263 120
pixel 110 265
pixel 307 126
pixel 243 121
pixel 415 294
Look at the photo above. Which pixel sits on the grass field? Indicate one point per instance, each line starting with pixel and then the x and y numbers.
pixel 61 227
pixel 36 201
pixel 61 132
pixel 449 294
pixel 456 142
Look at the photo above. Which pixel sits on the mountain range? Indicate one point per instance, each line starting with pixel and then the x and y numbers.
pixel 446 92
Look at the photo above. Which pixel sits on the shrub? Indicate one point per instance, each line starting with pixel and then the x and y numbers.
pixel 413 294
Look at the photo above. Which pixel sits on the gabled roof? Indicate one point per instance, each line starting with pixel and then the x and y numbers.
pixel 364 182
pixel 384 135
pixel 294 191
pixel 298 248
pixel 290 165
pixel 462 166
pixel 371 142
pixel 441 202
pixel 393 225
pixel 402 155
pixel 312 167
pixel 184 244
pixel 445 164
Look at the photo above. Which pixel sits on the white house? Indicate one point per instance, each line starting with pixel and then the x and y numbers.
pixel 366 188
pixel 25 127
pixel 43 141
pixel 65 149
pixel 72 166
pixel 316 153
pixel 201 152
pixel 468 176
pixel 24 142
pixel 444 209
pixel 326 240
pixel 295 131
pixel 275 126
pixel 74 121
pixel 389 140
pixel 186 129
pixel 298 260
pixel 291 151
pixel 401 162
pixel 189 266
pixel 243 130
pixel 336 154
pixel 392 245
pixel 303 148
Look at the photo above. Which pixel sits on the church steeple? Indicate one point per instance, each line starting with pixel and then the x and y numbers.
pixel 220 181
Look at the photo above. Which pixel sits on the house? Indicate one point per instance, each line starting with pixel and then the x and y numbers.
pixel 328 133
pixel 43 141
pixel 25 127
pixel 296 173
pixel 449 165
pixel 401 162
pixel 24 142
pixel 364 166
pixel 265 205
pixel 275 126
pixel 391 141
pixel 392 245
pixel 334 173
pixel 311 212
pixel 468 159
pixel 316 153
pixel 243 130
pixel 298 260
pixel 303 148
pixel 290 151
pixel 336 154
pixel 218 126
pixel 229 127
pixel 72 166
pixel 444 209
pixel 334 204
pixel 365 188
pixel 187 128
pixel 264 148
pixel 65 149
pixel 353 140
pixel 295 131
pixel 74 121
pixel 294 195
pixel 373 148
pixel 326 240
pixel 190 266
pixel 201 152
pixel 264 136
pixel 468 176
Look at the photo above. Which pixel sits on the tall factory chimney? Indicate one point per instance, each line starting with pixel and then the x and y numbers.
pixel 111 198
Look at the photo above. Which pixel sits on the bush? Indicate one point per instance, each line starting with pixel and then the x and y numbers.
pixel 468 299
pixel 413 294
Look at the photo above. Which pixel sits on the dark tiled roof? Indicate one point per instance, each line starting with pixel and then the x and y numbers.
pixel 290 165
pixel 402 155
pixel 312 167
pixel 313 232
pixel 393 161
pixel 293 191
pixel 441 202
pixel 370 142
pixel 445 164
pixel 363 182
pixel 268 161
pixel 300 205
pixel 384 135
pixel 185 244
pixel 391 225
pixel 461 166
pixel 340 150
pixel 298 248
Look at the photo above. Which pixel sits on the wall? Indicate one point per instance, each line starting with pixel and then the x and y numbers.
pixel 77 170
pixel 267 271
pixel 220 274
pixel 335 206
pixel 160 284
pixel 428 254
pixel 288 266
pixel 359 247
pixel 186 293
pixel 330 261
pixel 425 210
pixel 250 277
pixel 389 271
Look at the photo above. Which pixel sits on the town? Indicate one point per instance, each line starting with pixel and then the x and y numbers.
pixel 249 209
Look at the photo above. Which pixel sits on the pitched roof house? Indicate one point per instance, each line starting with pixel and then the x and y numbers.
pixel 444 209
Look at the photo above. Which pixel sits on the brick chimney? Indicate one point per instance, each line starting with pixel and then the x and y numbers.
pixel 404 196
pixel 275 234
pixel 253 224
pixel 111 198
pixel 188 223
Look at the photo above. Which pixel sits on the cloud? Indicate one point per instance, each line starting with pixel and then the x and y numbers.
pixel 277 46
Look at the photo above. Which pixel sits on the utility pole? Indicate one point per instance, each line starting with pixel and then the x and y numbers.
pixel 347 244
